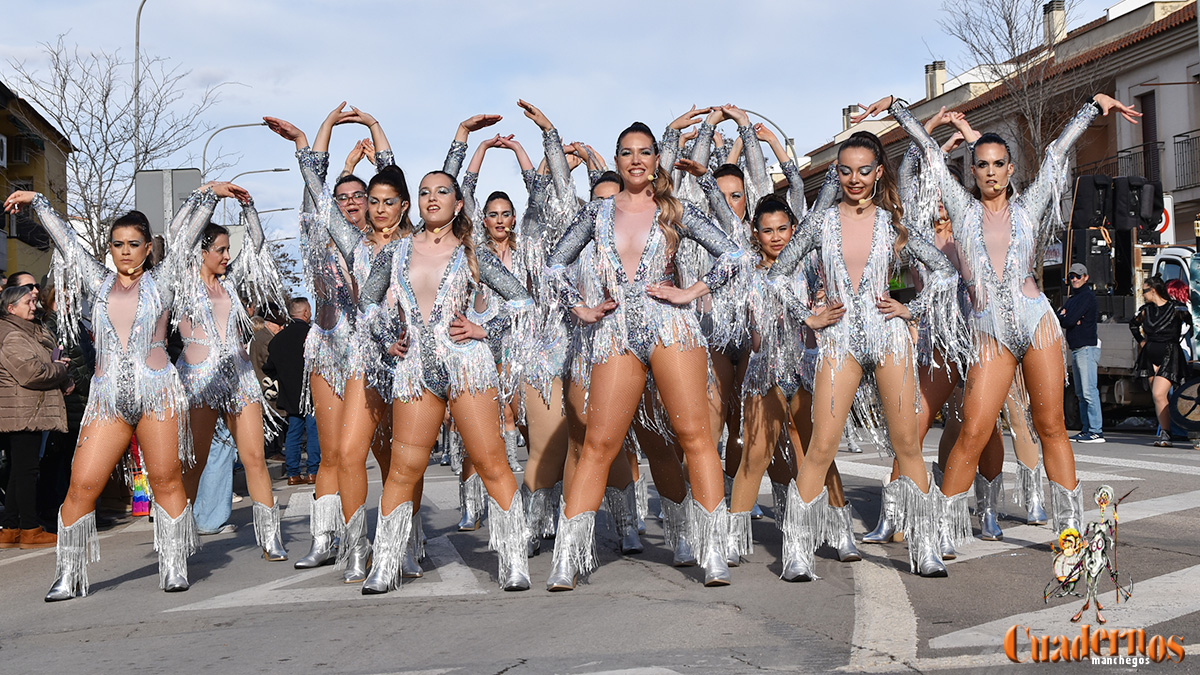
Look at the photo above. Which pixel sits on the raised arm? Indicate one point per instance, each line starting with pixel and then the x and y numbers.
pixel 1040 194
pixel 702 149
pixel 77 262
pixel 567 250
pixel 668 149
pixel 955 198
pixel 725 216
pixel 758 183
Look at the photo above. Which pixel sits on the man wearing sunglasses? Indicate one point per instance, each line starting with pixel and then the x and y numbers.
pixel 1078 319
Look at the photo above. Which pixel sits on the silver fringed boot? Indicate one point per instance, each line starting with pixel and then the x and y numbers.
pixel 1030 492
pixel 414 550
pixel 643 503
pixel 675 530
pixel 78 544
pixel 508 536
pixel 741 538
pixel 470 501
pixel 842 537
pixel 1066 507
pixel 537 516
pixel 323 520
pixel 710 531
pixel 779 496
pixel 988 496
pixel 922 523
pixel 391 537
pixel 622 507
pixel 266 532
pixel 944 538
pixel 886 528
pixel 803 526
pixel 512 440
pixel 574 551
pixel 354 556
pixel 175 539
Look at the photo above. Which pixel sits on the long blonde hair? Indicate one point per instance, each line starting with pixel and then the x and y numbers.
pixel 670 210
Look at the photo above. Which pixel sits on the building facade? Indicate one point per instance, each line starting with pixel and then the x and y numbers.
pixel 33 156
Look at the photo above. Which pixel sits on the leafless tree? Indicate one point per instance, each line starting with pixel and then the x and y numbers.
pixel 88 95
pixel 1005 43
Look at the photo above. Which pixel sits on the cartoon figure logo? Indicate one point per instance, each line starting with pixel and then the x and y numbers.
pixel 1088 557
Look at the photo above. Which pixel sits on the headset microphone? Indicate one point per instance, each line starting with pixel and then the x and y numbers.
pixel 874 189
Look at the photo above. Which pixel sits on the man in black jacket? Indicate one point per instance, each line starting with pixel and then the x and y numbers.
pixel 1078 319
pixel 285 363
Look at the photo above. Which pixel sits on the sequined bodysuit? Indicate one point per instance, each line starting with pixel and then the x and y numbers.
pixel 1008 308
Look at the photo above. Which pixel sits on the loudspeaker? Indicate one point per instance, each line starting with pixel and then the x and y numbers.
pixel 1093 202
pixel 1092 249
pixel 1137 204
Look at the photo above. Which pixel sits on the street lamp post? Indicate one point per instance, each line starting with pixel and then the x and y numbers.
pixel 247 173
pixel 137 85
pixel 204 152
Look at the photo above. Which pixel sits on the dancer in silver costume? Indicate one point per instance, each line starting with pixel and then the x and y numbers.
pixel 214 366
pixel 135 387
pixel 522 245
pixel 363 409
pixel 645 327
pixel 771 379
pixel 862 332
pixel 1000 236
pixel 423 292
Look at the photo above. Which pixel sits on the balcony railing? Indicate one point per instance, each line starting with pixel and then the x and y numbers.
pixel 1143 160
pixel 1187 160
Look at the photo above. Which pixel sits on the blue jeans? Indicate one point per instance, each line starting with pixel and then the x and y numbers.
pixel 297 428
pixel 1084 362
pixel 214 496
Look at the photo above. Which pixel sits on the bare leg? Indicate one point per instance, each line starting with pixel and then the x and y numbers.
pixel 101 445
pixel 547 434
pixel 765 417
pixel 987 387
pixel 478 420
pixel 1024 444
pixel 801 435
pixel 680 376
pixel 246 428
pixel 1044 374
pixel 364 410
pixel 204 424
pixel 1160 389
pixel 616 388
pixel 415 426
pixel 831 403
pixel 719 405
pixel 898 398
pixel 665 468
pixel 328 409
pixel 576 429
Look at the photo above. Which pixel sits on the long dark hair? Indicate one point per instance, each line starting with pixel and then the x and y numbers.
pixel 138 220
pixel 608 177
pixel 461 225
pixel 887 194
pixel 211 232
pixel 1156 284
pixel 670 210
pixel 991 139
pixel 393 176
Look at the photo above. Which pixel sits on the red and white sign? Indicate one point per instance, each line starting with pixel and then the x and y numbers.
pixel 1166 228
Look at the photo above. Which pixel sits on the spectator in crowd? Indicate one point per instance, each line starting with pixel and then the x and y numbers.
pixel 55 471
pixel 32 380
pixel 265 328
pixel 1158 328
pixel 1078 318
pixel 285 364
pixel 28 281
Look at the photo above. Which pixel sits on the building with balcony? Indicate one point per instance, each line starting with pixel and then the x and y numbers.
pixel 33 156
pixel 1140 51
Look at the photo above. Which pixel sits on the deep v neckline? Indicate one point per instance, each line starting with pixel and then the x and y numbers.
pixel 1002 273
pixel 136 289
pixel 842 253
pixel 438 294
pixel 645 247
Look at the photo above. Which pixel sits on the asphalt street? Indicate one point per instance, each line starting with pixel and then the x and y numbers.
pixel 638 614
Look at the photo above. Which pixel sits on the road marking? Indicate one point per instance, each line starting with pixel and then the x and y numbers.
pixel 299 505
pixel 885 625
pixel 879 472
pixel 1189 469
pixel 1023 536
pixel 455 579
pixel 139 524
pixel 1154 601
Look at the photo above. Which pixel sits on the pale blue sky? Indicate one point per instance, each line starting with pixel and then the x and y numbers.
pixel 420 68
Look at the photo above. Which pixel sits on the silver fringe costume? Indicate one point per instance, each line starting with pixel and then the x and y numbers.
pixel 125 386
pixel 1001 309
pixel 214 367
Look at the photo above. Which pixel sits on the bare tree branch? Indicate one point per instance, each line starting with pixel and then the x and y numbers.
pixel 88 95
